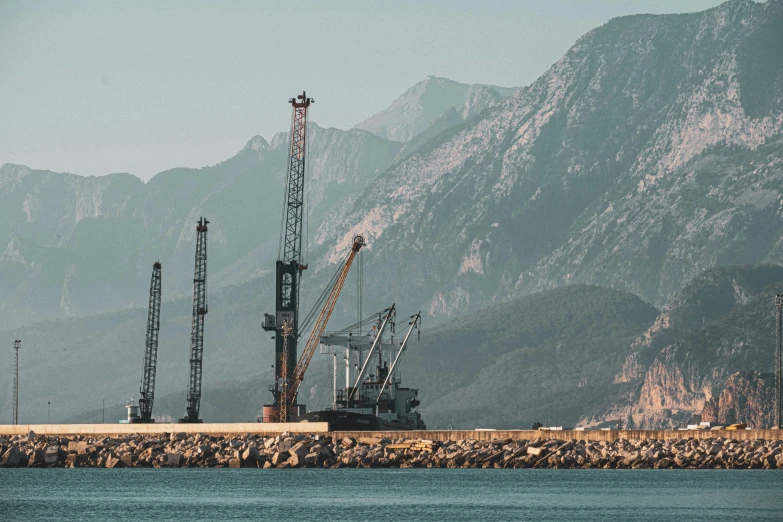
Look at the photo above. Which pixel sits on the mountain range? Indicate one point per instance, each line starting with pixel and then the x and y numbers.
pixel 648 155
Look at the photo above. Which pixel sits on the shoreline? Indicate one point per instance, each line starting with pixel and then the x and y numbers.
pixel 323 450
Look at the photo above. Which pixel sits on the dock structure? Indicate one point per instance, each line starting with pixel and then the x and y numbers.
pixel 322 428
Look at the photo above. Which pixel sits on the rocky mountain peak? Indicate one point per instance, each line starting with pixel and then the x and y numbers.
pixel 257 144
pixel 415 110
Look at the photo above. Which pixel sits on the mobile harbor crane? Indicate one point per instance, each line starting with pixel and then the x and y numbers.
pixel 147 390
pixel 197 327
pixel 289 266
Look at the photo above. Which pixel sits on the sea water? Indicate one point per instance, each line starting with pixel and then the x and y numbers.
pixel 386 495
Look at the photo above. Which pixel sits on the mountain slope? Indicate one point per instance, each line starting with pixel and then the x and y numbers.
pixel 647 154
pixel 75 246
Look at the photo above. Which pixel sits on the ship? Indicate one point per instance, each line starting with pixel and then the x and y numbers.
pixel 377 401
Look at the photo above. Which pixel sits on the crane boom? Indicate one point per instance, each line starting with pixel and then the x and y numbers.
pixel 147 390
pixel 197 327
pixel 416 318
pixel 320 325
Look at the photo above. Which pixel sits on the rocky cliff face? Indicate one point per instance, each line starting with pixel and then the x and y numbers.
pixel 650 152
pixel 720 324
pixel 747 398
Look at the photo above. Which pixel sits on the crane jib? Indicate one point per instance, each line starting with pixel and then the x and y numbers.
pixel 320 326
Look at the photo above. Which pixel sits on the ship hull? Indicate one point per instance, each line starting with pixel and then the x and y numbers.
pixel 352 421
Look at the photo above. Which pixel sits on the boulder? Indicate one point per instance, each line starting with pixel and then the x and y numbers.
pixel 36 458
pixel 174 459
pixel 279 457
pixel 286 444
pixel 234 463
pixel 250 454
pixel 311 459
pixel 300 450
pixel 129 459
pixel 77 446
pixel 113 462
pixel 52 455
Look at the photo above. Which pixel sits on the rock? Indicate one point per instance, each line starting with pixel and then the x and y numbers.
pixel 300 450
pixel 129 459
pixel 178 436
pixel 250 454
pixel 52 455
pixel 31 436
pixel 234 463
pixel 77 446
pixel 535 451
pixel 36 458
pixel 279 457
pixel 70 460
pixel 348 442
pixel 174 459
pixel 114 462
pixel 286 444
pixel 311 459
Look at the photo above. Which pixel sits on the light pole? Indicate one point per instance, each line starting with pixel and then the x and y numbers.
pixel 778 360
pixel 48 411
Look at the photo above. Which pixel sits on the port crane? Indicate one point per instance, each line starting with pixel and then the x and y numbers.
pixel 288 400
pixel 290 264
pixel 197 327
pixel 147 391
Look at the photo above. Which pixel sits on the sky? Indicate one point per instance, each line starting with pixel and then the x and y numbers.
pixel 96 87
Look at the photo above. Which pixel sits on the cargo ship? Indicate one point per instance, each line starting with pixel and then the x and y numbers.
pixel 377 401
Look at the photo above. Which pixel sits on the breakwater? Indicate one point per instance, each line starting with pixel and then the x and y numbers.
pixel 333 450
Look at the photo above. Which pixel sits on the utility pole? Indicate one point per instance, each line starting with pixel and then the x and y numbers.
pixel 17 345
pixel 778 360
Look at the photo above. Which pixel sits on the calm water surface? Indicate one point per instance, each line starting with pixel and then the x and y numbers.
pixel 366 494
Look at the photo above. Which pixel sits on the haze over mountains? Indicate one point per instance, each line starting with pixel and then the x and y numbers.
pixel 649 153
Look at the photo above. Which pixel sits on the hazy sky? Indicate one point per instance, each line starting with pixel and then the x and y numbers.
pixel 100 87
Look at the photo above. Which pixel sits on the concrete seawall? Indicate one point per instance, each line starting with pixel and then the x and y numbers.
pixel 267 428
pixel 434 435
pixel 587 435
